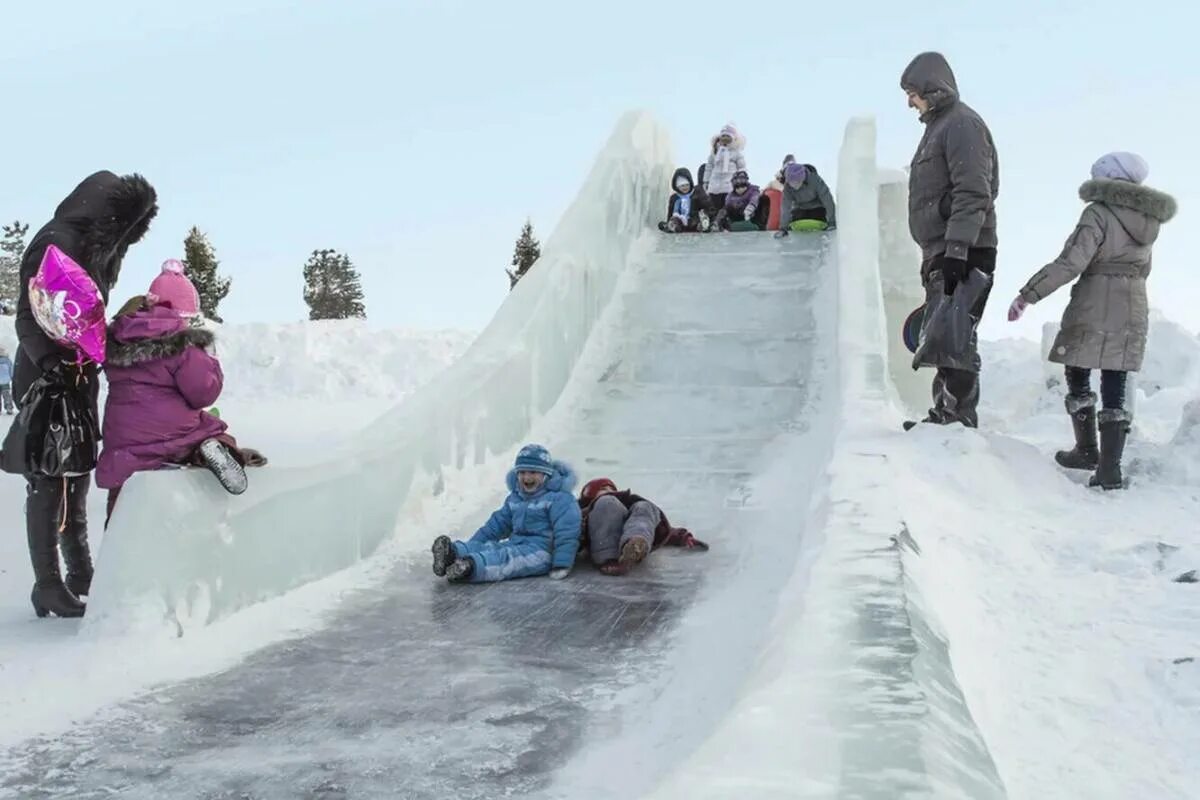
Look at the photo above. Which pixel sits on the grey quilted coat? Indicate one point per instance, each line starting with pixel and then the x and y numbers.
pixel 1105 324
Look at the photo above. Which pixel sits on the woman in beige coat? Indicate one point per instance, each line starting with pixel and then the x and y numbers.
pixel 1105 324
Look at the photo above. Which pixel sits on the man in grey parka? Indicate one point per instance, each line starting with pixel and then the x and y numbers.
pixel 952 188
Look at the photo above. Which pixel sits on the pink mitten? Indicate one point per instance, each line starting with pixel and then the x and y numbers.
pixel 1017 308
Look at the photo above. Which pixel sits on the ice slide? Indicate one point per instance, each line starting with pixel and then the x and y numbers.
pixel 714 374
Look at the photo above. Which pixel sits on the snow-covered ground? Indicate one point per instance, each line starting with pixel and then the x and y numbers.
pixel 1069 632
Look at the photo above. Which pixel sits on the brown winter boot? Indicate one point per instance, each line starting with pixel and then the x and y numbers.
pixel 633 551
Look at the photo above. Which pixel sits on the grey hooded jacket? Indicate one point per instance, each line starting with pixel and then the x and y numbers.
pixel 955 175
pixel 812 194
pixel 1105 324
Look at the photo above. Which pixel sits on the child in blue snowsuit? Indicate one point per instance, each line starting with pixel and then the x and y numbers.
pixel 535 532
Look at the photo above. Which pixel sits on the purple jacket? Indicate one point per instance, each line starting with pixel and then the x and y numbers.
pixel 735 202
pixel 159 380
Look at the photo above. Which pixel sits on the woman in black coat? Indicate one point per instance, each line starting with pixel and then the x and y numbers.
pixel 94 225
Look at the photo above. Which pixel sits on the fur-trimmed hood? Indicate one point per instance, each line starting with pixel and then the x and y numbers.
pixel 563 480
pixel 1151 202
pixel 151 335
pixel 738 143
pixel 109 213
pixel 1140 209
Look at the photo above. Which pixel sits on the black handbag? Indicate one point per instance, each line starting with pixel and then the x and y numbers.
pixel 55 434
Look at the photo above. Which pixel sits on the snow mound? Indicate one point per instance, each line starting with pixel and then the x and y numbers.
pixel 326 360
pixel 333 359
pixel 1023 393
pixel 1172 358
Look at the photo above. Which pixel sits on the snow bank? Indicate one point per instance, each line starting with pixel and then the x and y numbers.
pixel 1073 645
pixel 213 555
pixel 344 359
pixel 328 360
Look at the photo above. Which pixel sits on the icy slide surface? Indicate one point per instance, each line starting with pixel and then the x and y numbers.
pixel 418 689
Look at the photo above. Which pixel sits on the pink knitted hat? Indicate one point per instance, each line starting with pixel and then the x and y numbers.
pixel 173 289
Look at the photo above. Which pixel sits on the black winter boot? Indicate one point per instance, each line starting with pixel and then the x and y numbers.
pixel 1114 427
pixel 443 555
pixel 74 540
pixel 1086 453
pixel 44 515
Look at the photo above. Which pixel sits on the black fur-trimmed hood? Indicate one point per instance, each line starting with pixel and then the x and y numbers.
pixel 1157 205
pixel 139 350
pixel 108 213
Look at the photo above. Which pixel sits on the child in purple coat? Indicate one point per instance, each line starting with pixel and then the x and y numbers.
pixel 746 207
pixel 161 378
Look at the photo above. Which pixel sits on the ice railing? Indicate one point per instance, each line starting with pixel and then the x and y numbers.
pixel 181 554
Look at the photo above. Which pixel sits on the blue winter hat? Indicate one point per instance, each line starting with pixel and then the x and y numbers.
pixel 534 458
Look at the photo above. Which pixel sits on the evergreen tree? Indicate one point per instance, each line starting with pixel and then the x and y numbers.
pixel 12 248
pixel 332 287
pixel 201 263
pixel 528 251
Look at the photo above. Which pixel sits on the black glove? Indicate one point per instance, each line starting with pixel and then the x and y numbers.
pixel 954 272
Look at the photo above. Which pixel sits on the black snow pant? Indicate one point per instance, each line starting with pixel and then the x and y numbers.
pixel 1112 386
pixel 956 391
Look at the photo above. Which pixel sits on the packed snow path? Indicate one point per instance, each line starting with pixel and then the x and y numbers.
pixel 590 687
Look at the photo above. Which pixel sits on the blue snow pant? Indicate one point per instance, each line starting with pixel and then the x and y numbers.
pixel 518 557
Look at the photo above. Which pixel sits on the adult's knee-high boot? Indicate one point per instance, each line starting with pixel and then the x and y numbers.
pixel 1114 428
pixel 43 517
pixel 74 541
pixel 1086 453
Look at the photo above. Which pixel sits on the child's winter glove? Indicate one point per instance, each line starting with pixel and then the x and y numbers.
pixel 749 217
pixel 1017 308
pixel 559 573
